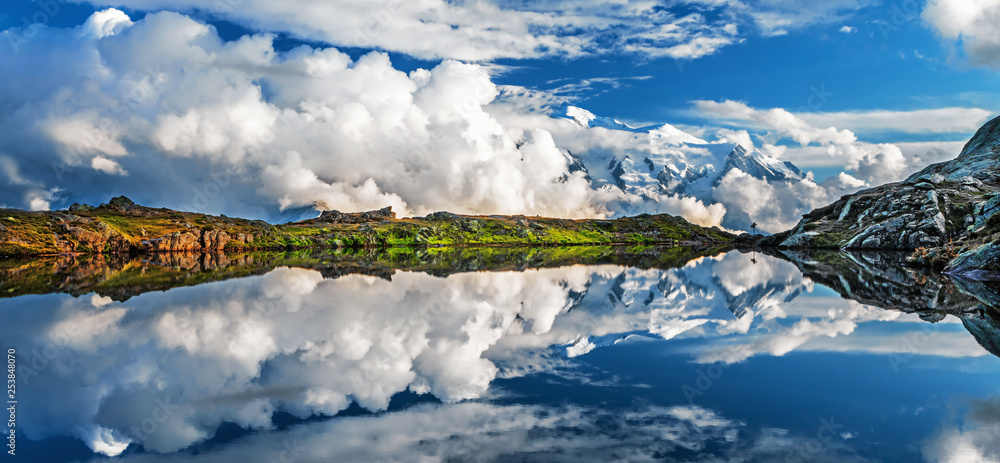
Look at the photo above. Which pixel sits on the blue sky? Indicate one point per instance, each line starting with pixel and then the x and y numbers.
pixel 873 90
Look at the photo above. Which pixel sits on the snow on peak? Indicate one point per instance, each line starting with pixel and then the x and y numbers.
pixel 587 119
pixel 673 165
pixel 580 116
pixel 670 135
pixel 761 166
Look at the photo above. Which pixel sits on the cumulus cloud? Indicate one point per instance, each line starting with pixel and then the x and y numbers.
pixel 782 122
pixel 107 166
pixel 773 206
pixel 878 164
pixel 190 120
pixel 829 140
pixel 180 118
pixel 970 25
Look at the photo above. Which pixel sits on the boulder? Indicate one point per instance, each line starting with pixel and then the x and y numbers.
pixel 214 240
pixel 976 262
pixel 77 207
pixel 120 201
pixel 91 239
pixel 175 241
pixel 356 217
pixel 441 216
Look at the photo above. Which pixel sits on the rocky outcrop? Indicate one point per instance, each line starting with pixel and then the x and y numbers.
pixel 442 215
pixel 899 216
pixel 981 262
pixel 120 204
pixel 175 241
pixel 77 207
pixel 205 240
pixel 979 158
pixel 337 217
pixel 100 238
pixel 214 240
pixel 944 208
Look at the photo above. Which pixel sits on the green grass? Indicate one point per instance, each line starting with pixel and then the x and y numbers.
pixel 41 233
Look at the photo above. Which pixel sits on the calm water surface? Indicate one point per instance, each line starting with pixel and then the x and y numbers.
pixel 734 358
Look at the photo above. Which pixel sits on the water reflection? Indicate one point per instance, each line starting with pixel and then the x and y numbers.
pixel 977 439
pixel 505 362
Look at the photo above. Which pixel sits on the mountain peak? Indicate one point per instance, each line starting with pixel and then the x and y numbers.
pixel 979 159
pixel 987 136
pixel 588 119
pixel 760 165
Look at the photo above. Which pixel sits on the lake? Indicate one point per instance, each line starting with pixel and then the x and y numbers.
pixel 549 354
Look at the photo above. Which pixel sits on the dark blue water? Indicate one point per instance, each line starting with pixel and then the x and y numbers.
pixel 721 360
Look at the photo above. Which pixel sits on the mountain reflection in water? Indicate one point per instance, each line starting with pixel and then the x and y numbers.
pixel 503 354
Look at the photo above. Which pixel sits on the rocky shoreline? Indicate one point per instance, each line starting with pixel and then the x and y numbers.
pixel 947 215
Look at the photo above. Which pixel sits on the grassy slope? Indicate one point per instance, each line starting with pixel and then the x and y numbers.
pixel 25 233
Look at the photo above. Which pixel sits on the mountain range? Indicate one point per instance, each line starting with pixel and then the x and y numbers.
pixel 674 164
pixel 656 169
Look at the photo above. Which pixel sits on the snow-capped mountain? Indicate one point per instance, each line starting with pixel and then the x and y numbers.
pixel 666 161
pixel 588 119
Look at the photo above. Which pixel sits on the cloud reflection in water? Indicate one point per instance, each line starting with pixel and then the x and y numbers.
pixel 165 370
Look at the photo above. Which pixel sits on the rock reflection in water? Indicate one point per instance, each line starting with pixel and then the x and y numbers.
pixel 876 279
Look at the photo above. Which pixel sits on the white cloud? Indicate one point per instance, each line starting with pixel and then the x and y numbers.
pixel 477 31
pixel 480 31
pixel 848 30
pixel 969 24
pixel 837 145
pixel 105 23
pixel 774 207
pixel 107 166
pixel 781 17
pixel 192 122
pixel 40 200
pixel 283 129
pixel 38 204
pixel 934 121
pixel 778 120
